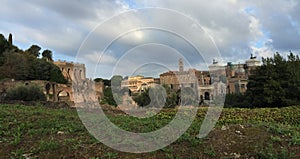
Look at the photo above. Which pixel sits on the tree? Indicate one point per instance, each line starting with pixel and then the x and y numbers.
pixel 3 44
pixel 275 83
pixel 10 40
pixel 173 97
pixel 24 65
pixel 108 97
pixel 43 70
pixel 236 101
pixel 116 81
pixel 56 75
pixel 34 51
pixel 143 99
pixel 15 66
pixel 293 88
pixel 47 54
pixel 188 97
pixel 169 99
pixel 106 82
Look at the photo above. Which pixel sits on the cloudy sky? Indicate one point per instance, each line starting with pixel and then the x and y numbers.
pixel 148 37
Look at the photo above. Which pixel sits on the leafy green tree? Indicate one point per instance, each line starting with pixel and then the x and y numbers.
pixel 3 44
pixel 108 97
pixel 47 54
pixel 43 70
pixel 236 101
pixel 143 99
pixel 34 50
pixel 293 88
pixel 56 75
pixel 188 97
pixel 106 82
pixel 15 66
pixel 25 65
pixel 171 98
pixel 116 81
pixel 40 70
pixel 275 83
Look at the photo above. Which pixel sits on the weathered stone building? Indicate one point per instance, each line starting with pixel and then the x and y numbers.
pixel 238 74
pixel 74 73
pixel 200 81
pixel 216 82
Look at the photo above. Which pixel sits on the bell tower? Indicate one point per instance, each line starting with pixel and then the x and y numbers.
pixel 180 63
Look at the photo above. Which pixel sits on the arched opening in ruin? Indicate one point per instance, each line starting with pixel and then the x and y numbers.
pixel 69 75
pixel 63 96
pixel 206 96
pixel 144 86
pixel 47 88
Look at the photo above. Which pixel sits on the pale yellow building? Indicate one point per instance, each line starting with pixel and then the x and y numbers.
pixel 137 84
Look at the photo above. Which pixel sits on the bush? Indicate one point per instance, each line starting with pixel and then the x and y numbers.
pixel 236 101
pixel 108 97
pixel 29 92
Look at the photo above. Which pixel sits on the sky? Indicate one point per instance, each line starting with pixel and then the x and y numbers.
pixel 134 37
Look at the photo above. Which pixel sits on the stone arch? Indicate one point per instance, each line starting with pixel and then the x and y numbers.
pixel 63 95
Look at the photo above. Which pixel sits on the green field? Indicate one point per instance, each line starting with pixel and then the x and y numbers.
pixel 40 132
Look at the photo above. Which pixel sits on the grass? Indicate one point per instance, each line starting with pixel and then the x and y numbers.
pixel 40 132
pixel 48 145
pixel 268 152
pixel 210 151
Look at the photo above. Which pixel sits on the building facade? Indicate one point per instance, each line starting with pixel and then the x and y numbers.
pixel 137 84
pixel 238 74
pixel 215 83
pixel 75 73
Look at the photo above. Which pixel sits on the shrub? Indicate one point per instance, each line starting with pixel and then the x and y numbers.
pixel 236 101
pixel 29 92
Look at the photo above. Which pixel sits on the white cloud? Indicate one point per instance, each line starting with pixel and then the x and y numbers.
pixel 238 27
pixel 99 57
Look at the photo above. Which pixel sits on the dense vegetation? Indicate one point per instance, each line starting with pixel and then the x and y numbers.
pixel 112 90
pixel 29 92
pixel 106 82
pixel 108 97
pixel 27 65
pixel 41 132
pixel 171 98
pixel 275 84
